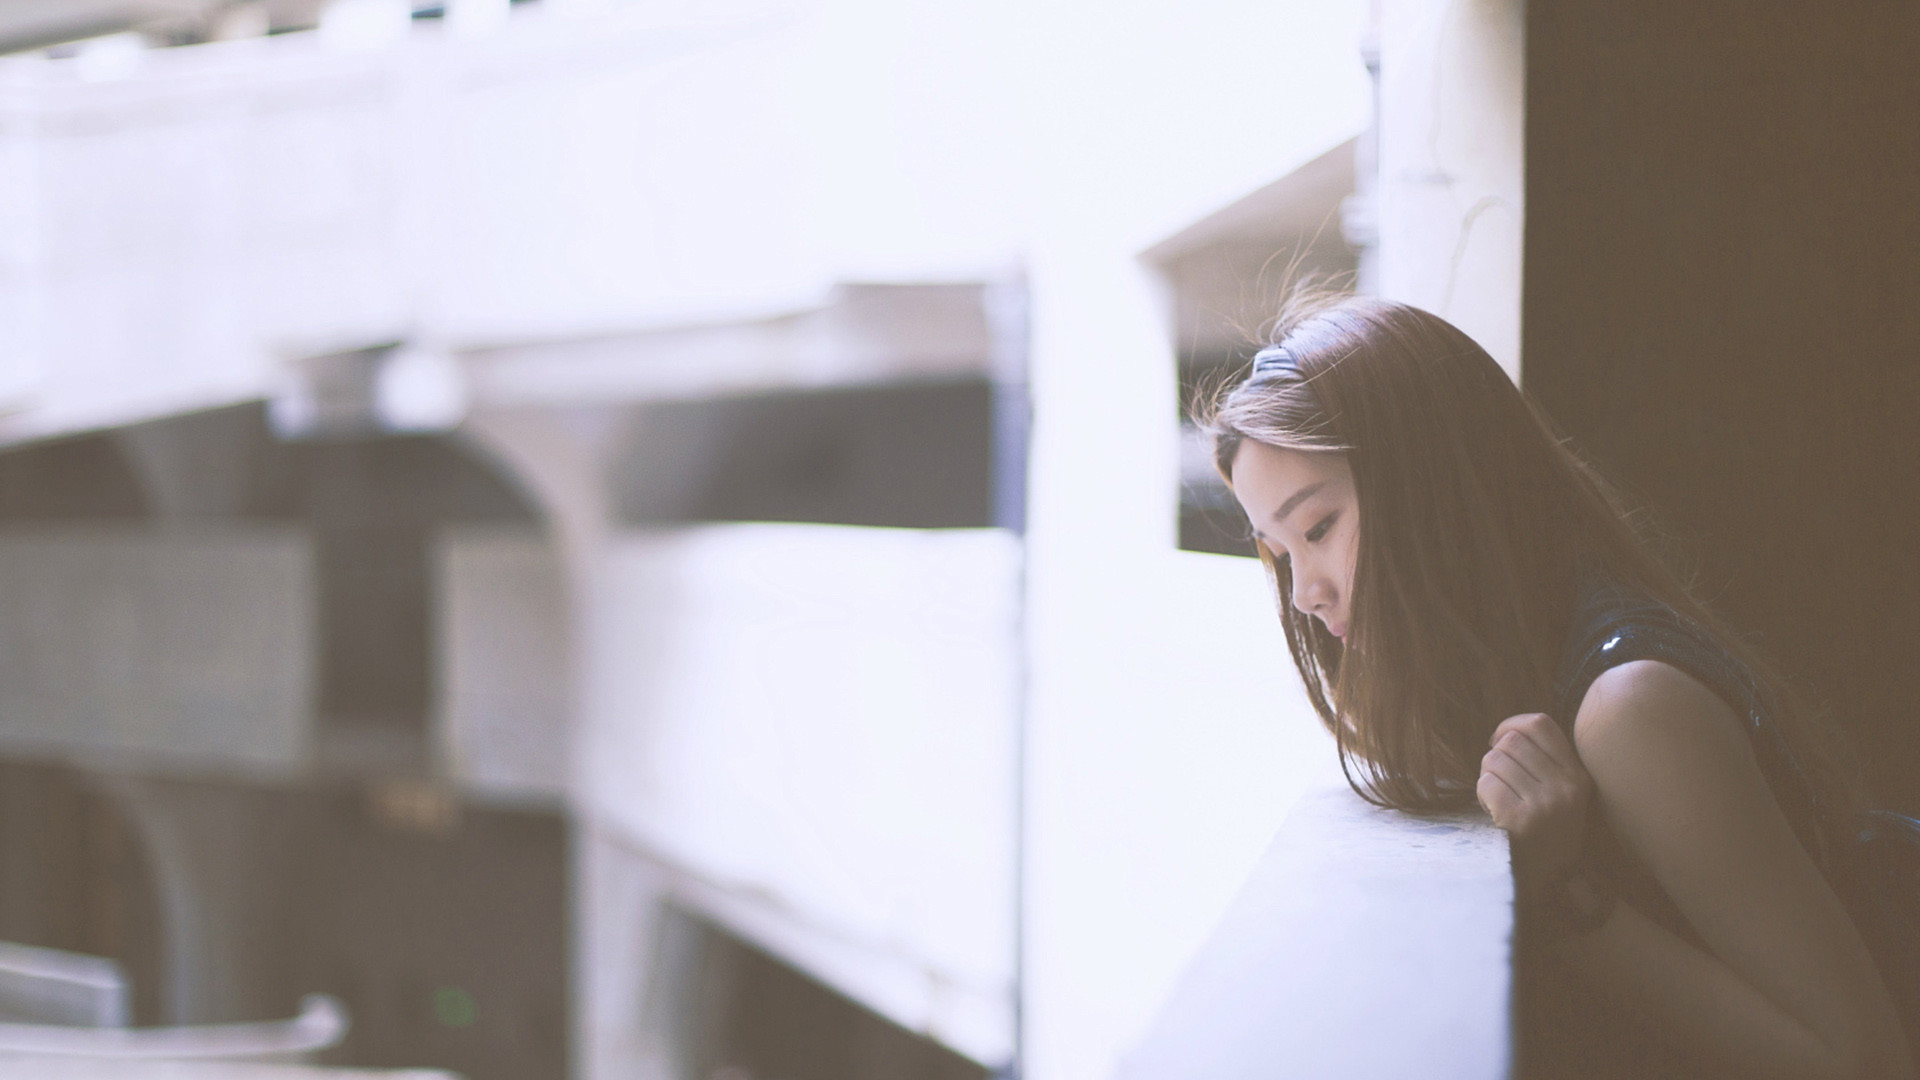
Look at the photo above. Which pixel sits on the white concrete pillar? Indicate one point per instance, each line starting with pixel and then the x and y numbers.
pixel 22 247
pixel 628 976
pixel 1166 732
pixel 1452 158
pixel 560 458
pixel 1103 476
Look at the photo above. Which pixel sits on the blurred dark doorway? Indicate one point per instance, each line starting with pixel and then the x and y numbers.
pixel 735 1012
pixel 75 876
pixel 1722 256
pixel 73 871
pixel 439 916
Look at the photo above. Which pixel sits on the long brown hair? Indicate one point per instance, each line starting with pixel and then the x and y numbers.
pixel 1475 521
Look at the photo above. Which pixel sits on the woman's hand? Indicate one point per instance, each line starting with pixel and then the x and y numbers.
pixel 1533 784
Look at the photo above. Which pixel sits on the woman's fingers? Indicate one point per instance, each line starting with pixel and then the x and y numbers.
pixel 1513 799
pixel 1535 768
pixel 1534 786
pixel 1537 780
pixel 1497 795
pixel 1533 740
pixel 1540 780
pixel 1541 730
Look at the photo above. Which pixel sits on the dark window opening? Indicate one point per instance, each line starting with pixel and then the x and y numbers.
pixel 906 456
pixel 1225 297
pixel 372 506
pixel 86 478
pixel 1210 518
pixel 440 922
pixel 74 876
pixel 444 932
pixel 737 1013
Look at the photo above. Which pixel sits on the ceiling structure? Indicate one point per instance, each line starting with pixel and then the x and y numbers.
pixel 37 24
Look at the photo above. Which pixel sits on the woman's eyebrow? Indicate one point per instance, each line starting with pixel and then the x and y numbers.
pixel 1296 499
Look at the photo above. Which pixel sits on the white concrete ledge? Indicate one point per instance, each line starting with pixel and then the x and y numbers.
pixel 1367 944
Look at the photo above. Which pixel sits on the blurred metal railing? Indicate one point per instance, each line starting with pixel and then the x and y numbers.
pixel 43 1068
pixel 322 1023
pixel 63 1016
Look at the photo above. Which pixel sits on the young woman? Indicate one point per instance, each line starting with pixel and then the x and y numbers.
pixel 1476 619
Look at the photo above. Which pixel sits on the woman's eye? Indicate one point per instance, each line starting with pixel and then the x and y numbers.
pixel 1315 534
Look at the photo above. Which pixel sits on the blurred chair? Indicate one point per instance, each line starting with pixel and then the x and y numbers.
pixel 43 1068
pixel 69 1005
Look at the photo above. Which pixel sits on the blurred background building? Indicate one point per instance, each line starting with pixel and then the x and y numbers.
pixel 637 539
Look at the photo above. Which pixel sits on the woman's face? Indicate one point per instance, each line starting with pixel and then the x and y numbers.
pixel 1301 506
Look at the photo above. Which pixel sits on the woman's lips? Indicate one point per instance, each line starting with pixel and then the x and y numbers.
pixel 1338 630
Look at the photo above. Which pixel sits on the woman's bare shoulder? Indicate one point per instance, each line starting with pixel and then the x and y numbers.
pixel 1678 783
pixel 1646 706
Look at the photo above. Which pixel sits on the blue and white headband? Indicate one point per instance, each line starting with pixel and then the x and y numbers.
pixel 1273 360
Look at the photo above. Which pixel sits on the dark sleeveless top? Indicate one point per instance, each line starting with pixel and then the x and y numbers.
pixel 1875 864
pixel 1614 625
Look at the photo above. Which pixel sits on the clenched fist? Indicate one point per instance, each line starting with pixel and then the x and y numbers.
pixel 1533 784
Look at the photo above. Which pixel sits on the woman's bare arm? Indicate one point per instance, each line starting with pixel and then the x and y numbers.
pixel 1786 987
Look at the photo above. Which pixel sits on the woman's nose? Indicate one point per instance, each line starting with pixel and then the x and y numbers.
pixel 1309 590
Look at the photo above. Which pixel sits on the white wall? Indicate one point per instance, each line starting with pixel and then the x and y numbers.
pixel 184 651
pixel 818 723
pixel 1452 148
pixel 19 227
pixel 1167 733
